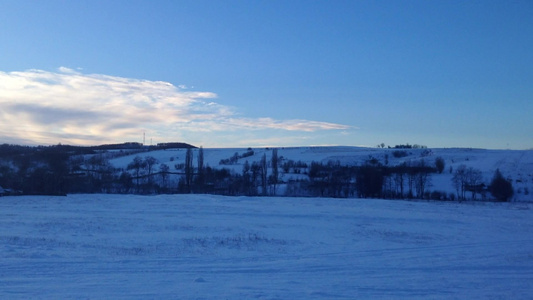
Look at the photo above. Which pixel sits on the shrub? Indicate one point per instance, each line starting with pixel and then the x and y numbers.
pixel 439 164
pixel 399 153
pixel 438 195
pixel 501 188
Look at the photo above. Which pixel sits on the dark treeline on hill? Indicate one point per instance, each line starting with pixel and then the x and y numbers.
pixel 59 169
pixel 7 150
pixel 63 169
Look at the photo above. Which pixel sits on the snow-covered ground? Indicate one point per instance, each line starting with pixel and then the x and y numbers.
pixel 517 165
pixel 213 247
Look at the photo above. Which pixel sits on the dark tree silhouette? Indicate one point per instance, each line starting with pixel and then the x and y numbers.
pixel 459 181
pixel 274 177
pixel 422 178
pixel 150 161
pixel 501 188
pixel 439 164
pixel 200 178
pixel 163 171
pixel 474 178
pixel 137 165
pixel 369 180
pixel 189 170
pixel 264 172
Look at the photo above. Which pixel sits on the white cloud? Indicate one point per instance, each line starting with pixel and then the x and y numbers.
pixel 70 107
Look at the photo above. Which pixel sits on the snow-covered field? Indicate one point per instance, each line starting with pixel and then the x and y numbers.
pixel 213 247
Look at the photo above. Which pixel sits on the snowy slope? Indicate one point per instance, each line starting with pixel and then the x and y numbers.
pixel 517 165
pixel 213 247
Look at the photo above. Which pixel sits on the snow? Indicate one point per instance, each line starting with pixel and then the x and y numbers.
pixel 214 247
pixel 516 165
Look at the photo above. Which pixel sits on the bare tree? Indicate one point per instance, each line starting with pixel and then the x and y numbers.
pixel 474 179
pixel 467 179
pixel 422 178
pixel 163 171
pixel 275 173
pixel 189 169
pixel 256 172
pixel 264 173
pixel 248 180
pixel 200 178
pixel 439 164
pixel 150 161
pixel 137 165
pixel 411 178
pixel 459 181
pixel 399 178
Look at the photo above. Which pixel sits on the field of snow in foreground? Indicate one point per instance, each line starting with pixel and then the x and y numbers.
pixel 213 247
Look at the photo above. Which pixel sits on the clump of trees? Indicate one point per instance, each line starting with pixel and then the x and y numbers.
pixel 35 170
pixel 235 158
pixel 408 146
pixel 468 180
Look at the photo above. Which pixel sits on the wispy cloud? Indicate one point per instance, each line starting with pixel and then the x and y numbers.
pixel 71 107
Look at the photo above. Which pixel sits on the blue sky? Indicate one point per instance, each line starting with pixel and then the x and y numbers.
pixel 268 73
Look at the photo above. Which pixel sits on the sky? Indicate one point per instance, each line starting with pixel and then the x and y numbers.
pixel 267 73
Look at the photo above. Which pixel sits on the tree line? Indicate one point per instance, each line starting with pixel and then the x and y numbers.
pixel 58 170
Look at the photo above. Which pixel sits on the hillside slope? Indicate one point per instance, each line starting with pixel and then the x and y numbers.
pixel 517 165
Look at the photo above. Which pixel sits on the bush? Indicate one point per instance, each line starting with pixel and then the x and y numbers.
pixel 399 153
pixel 501 188
pixel 438 195
pixel 439 164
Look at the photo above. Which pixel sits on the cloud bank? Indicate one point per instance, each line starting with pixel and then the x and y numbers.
pixel 69 107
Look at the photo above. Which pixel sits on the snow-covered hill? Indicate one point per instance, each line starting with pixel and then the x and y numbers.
pixel 215 247
pixel 516 165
